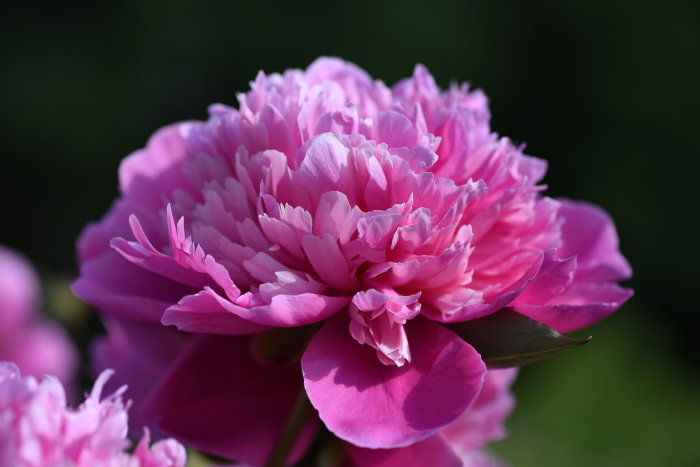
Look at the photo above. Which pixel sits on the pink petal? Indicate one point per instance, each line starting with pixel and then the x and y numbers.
pixel 329 262
pixel 483 422
pixel 335 217
pixel 501 300
pixel 577 291
pixel 149 174
pixel 40 349
pixel 326 166
pixel 238 412
pixel 373 405
pixel 395 129
pixel 580 306
pixel 140 354
pixel 431 451
pixel 589 234
pixel 123 289
pixel 19 290
pixel 204 312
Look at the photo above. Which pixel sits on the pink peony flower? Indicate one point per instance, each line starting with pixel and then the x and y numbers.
pixel 36 345
pixel 36 428
pixel 358 217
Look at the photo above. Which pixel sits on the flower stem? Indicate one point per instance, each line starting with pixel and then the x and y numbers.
pixel 297 418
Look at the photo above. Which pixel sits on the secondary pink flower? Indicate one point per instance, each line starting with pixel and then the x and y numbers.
pixel 328 198
pixel 36 428
pixel 36 345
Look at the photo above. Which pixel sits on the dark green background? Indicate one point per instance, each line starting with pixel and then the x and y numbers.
pixel 607 92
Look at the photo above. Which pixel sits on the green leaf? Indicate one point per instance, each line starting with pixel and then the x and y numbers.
pixel 506 339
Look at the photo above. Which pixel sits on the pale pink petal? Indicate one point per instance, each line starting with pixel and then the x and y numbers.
pixel 27 338
pixel 329 262
pixel 167 452
pixel 19 289
pixel 42 348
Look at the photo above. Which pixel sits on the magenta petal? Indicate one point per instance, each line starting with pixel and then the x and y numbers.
pixel 575 288
pixel 582 305
pixel 483 422
pixel 123 289
pixel 501 300
pixel 219 400
pixel 140 354
pixel 155 171
pixel 431 451
pixel 589 234
pixel 295 310
pixel 204 312
pixel 377 406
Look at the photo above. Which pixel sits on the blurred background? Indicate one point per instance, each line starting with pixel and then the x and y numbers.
pixel 607 92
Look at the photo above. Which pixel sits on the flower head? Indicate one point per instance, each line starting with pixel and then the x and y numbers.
pixel 329 198
pixel 36 428
pixel 36 345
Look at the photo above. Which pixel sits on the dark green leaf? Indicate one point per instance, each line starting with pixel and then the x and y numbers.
pixel 507 339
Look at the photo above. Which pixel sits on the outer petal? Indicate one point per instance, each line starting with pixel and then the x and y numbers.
pixel 204 312
pixel 432 451
pixel 501 300
pixel 120 288
pixel 155 171
pixel 590 235
pixel 575 289
pixel 483 422
pixel 219 400
pixel 373 405
pixel 283 311
pixel 140 354
pixel 587 304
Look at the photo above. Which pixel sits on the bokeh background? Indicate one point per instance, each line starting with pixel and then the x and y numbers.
pixel 607 92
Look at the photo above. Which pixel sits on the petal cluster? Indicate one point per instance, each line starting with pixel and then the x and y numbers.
pixel 364 217
pixel 37 429
pixel 36 345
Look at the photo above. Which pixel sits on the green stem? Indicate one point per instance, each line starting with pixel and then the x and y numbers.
pixel 300 414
